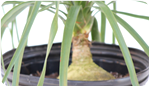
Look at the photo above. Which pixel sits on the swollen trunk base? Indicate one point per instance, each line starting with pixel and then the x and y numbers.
pixel 82 67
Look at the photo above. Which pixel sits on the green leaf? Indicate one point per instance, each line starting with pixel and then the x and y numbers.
pixel 16 72
pixel 29 13
pixel 77 2
pixel 3 66
pixel 66 3
pixel 10 16
pixel 22 42
pixel 86 10
pixel 127 57
pixel 132 15
pixel 94 31
pixel 17 65
pixel 87 28
pixel 96 7
pixel 15 23
pixel 111 2
pixel 103 27
pixel 11 33
pixel 2 62
pixel 113 37
pixel 46 7
pixel 60 11
pixel 52 34
pixel 11 2
pixel 58 16
pixel 66 43
pixel 142 2
pixel 133 33
pixel 84 3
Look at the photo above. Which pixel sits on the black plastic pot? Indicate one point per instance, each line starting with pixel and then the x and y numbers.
pixel 107 56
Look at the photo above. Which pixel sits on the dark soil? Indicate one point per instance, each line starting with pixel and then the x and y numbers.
pixel 118 75
pixel 55 75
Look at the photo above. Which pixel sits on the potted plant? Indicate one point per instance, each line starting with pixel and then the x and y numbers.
pixel 79 23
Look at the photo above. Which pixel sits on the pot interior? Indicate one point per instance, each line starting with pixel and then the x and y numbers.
pixel 109 58
pixel 34 64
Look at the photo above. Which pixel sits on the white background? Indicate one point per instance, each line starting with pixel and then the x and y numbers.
pixel 41 27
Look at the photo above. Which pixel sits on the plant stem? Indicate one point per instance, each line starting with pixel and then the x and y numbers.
pixel 81 50
pixel 82 67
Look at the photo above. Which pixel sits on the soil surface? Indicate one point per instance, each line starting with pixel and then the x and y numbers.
pixel 55 75
pixel 118 75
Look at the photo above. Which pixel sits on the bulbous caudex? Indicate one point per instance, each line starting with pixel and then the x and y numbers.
pixel 82 67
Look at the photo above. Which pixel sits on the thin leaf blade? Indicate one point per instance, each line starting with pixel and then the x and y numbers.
pixel 94 31
pixel 22 42
pixel 66 43
pixel 58 16
pixel 142 2
pixel 8 17
pixel 137 37
pixel 2 61
pixel 120 39
pixel 113 37
pixel 11 2
pixel 52 34
pixel 132 15
pixel 103 27
pixel 46 7
pixel 16 72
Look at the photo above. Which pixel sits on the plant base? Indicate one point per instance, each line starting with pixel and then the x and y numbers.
pixel 88 72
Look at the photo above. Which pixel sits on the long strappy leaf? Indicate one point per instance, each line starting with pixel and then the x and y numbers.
pixel 127 57
pixel 134 34
pixel 22 42
pixel 52 34
pixel 8 17
pixel 66 43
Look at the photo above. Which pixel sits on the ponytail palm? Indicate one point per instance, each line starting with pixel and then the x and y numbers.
pixel 79 23
pixel 82 67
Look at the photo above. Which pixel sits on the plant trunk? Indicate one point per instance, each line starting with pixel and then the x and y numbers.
pixel 82 67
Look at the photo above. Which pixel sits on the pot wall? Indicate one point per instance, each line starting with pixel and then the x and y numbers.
pixel 107 56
